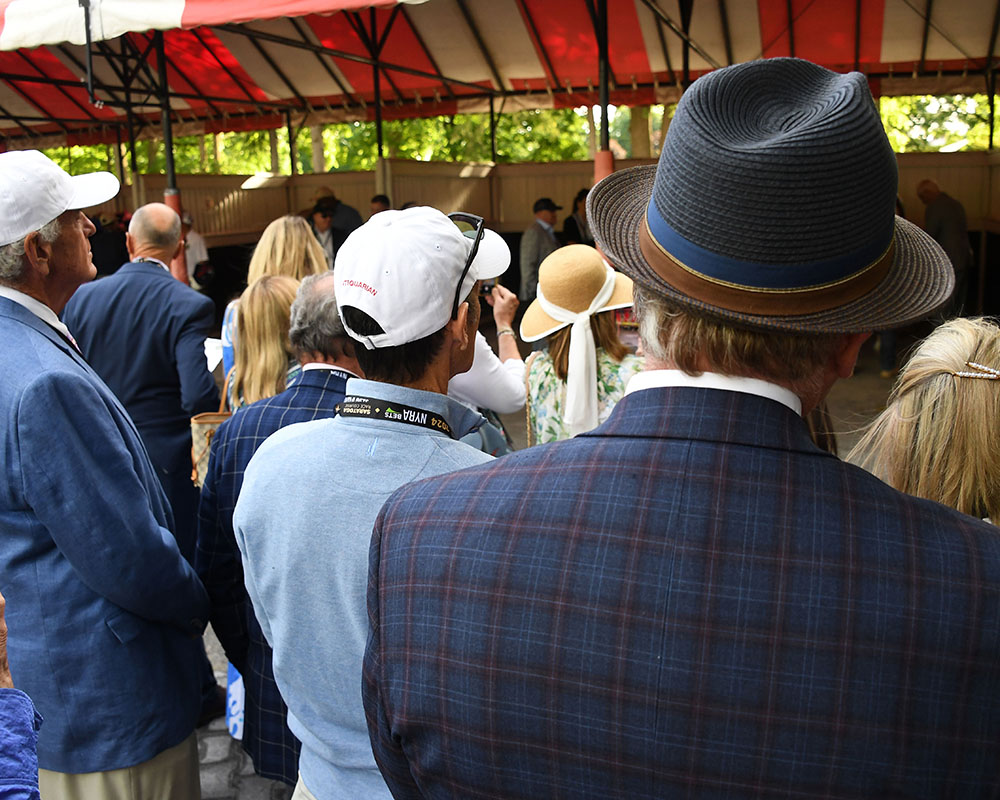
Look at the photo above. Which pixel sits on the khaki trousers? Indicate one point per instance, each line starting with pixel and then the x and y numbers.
pixel 171 775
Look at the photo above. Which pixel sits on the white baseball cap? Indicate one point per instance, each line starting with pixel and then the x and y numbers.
pixel 402 269
pixel 34 190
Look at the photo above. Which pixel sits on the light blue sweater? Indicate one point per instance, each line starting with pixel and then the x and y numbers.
pixel 303 525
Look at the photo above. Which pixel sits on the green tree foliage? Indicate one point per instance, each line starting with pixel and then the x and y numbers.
pixel 539 135
pixel 620 130
pixel 918 123
pixel 925 123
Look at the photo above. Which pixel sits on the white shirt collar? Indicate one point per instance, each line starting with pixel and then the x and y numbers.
pixel 151 260
pixel 317 365
pixel 36 307
pixel 544 225
pixel 672 378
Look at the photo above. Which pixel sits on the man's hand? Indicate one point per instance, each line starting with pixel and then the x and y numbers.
pixel 6 682
pixel 505 304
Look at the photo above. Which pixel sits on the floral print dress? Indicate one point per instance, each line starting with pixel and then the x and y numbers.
pixel 547 394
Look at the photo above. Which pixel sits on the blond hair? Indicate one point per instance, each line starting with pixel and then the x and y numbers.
pixel 605 330
pixel 262 332
pixel 694 343
pixel 939 436
pixel 287 247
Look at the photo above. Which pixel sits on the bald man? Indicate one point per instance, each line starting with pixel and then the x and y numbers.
pixel 144 333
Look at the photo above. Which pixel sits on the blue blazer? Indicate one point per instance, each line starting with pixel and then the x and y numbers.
pixel 273 748
pixel 144 333
pixel 103 612
pixel 690 601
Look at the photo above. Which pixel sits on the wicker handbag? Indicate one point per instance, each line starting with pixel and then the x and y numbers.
pixel 203 428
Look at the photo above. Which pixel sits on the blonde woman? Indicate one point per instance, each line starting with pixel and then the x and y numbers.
pixel 939 436
pixel 265 364
pixel 573 386
pixel 286 247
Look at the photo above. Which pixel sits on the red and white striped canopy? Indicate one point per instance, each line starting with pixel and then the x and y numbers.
pixel 243 64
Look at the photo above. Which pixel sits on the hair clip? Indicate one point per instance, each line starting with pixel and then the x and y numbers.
pixel 981 371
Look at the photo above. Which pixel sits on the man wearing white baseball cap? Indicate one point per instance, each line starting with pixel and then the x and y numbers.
pixel 407 290
pixel 105 612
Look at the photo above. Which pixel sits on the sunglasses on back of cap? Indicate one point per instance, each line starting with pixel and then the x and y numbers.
pixel 460 218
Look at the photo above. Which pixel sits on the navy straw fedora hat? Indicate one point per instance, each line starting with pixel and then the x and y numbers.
pixel 773 206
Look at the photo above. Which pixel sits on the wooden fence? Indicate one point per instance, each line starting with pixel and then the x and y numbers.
pixel 227 213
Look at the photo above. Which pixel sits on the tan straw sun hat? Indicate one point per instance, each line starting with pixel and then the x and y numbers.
pixel 570 278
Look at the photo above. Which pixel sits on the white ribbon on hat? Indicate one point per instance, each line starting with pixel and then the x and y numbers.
pixel 581 410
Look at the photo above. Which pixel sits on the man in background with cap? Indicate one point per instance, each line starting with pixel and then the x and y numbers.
pixel 536 243
pixel 407 291
pixel 104 612
pixel 693 599
pixel 326 353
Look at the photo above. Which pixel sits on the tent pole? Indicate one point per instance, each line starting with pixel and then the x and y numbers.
pixel 290 186
pixel 493 132
pixel 132 162
pixel 171 196
pixel 377 82
pixel 118 153
pixel 991 88
pixel 604 161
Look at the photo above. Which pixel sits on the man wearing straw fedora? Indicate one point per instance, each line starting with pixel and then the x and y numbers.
pixel 692 599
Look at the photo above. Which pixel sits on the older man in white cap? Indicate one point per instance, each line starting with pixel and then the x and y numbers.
pixel 406 285
pixel 104 611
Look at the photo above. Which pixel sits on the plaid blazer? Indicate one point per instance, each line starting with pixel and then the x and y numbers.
pixel 273 748
pixel 692 600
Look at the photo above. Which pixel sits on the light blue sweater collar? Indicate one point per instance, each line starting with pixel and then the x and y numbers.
pixel 462 419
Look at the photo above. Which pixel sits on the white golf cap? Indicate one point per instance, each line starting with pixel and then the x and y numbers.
pixel 34 191
pixel 402 269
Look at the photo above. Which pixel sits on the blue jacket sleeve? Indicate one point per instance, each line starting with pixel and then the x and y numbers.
pixel 104 523
pixel 198 390
pixel 19 724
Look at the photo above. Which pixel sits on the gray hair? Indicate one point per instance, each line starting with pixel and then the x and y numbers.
pixel 145 229
pixel 315 323
pixel 691 342
pixel 12 261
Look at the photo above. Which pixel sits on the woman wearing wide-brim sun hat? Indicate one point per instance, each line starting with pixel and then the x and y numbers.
pixel 574 384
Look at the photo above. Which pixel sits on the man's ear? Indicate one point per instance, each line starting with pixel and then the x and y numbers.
pixel 129 243
pixel 460 326
pixel 177 250
pixel 37 253
pixel 847 356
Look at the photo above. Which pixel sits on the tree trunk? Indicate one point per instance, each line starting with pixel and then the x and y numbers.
pixel 318 153
pixel 272 137
pixel 639 129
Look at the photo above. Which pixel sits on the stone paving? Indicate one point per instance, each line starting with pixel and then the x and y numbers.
pixel 227 772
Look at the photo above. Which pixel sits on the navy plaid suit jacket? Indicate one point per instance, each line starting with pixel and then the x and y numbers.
pixel 691 600
pixel 273 748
